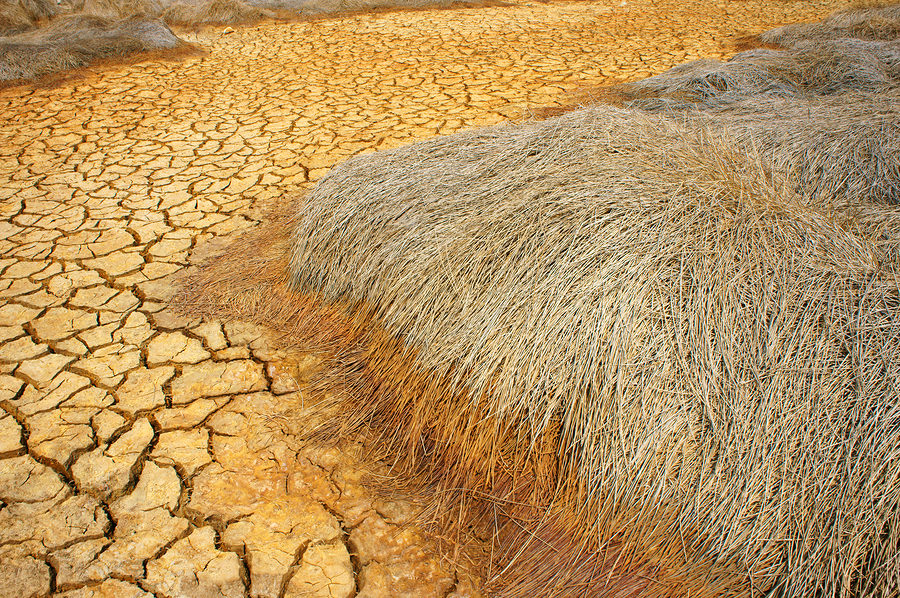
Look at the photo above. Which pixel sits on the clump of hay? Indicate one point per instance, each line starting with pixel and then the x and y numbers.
pixel 72 42
pixel 621 342
pixel 823 112
pixel 189 13
pixel 838 151
pixel 179 12
pixel 215 12
pixel 20 15
pixel 809 68
pixel 875 23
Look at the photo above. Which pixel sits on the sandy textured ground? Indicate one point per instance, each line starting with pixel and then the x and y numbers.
pixel 141 453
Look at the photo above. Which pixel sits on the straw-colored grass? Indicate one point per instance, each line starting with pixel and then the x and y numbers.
pixel 621 343
pixel 880 21
pixel 809 68
pixel 196 13
pixel 825 113
pixel 20 15
pixel 183 13
pixel 73 42
pixel 836 150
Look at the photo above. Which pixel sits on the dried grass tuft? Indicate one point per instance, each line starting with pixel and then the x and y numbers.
pixel 840 151
pixel 878 22
pixel 822 112
pixel 626 347
pixel 179 12
pixel 808 68
pixel 196 13
pixel 73 42
pixel 17 16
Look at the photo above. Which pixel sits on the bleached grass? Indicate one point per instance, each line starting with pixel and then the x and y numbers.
pixel 869 23
pixel 825 113
pixel 836 150
pixel 712 360
pixel 76 41
pixel 17 16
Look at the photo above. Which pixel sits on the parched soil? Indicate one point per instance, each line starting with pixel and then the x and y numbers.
pixel 143 453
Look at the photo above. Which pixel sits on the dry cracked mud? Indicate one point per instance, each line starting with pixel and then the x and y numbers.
pixel 140 452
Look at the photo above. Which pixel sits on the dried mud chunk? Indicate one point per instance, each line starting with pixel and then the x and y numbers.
pixel 9 387
pixel 213 335
pixel 404 580
pixel 325 572
pixel 62 387
pixel 187 449
pixel 194 568
pixel 24 577
pixel 175 347
pixel 36 528
pixel 10 434
pixel 210 379
pixel 72 563
pixel 398 561
pixel 109 364
pixel 189 415
pixel 272 536
pixel 111 588
pixel 142 389
pixel 60 322
pixel 157 487
pixel 106 424
pixel 106 471
pixel 39 372
pixel 22 479
pixel 139 536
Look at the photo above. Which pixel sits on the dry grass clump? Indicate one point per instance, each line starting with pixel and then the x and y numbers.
pixel 823 112
pixel 868 23
pixel 623 345
pixel 20 15
pixel 191 13
pixel 817 68
pixel 71 42
pixel 837 151
pixel 178 12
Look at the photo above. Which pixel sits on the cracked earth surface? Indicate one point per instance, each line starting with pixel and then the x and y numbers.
pixel 139 450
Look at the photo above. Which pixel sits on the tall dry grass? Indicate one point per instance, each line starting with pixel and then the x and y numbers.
pixel 20 15
pixel 72 42
pixel 620 342
pixel 822 111
pixel 868 21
